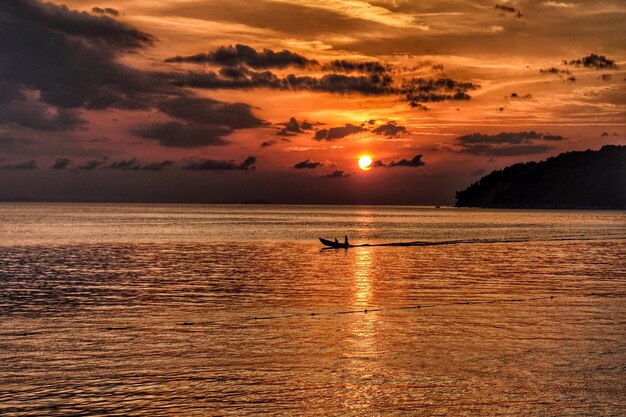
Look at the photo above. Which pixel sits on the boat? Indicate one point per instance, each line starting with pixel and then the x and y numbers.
pixel 332 243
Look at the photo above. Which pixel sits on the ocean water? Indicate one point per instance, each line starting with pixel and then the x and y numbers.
pixel 184 310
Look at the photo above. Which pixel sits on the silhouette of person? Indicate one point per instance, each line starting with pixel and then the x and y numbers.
pixel 345 240
pixel 336 241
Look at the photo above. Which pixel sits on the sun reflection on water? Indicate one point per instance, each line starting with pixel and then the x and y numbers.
pixel 363 344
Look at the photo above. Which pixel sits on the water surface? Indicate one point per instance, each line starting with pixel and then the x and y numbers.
pixel 212 310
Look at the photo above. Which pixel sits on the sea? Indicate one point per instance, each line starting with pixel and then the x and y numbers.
pixel 211 310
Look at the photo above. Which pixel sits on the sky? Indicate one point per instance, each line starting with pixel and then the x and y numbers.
pixel 242 100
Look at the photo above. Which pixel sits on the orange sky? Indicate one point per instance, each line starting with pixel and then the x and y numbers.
pixel 533 94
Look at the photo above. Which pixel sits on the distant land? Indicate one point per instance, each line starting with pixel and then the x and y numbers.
pixel 572 180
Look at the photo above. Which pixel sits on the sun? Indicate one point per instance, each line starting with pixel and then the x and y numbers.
pixel 365 162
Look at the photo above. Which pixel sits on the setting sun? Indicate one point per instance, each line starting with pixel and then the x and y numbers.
pixel 365 162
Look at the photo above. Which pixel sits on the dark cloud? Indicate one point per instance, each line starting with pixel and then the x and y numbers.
pixel 372 67
pixel 130 164
pixel 248 163
pixel 390 129
pixel 245 55
pixel 268 143
pixel 158 166
pixel 184 135
pixel 220 165
pixel 377 79
pixel 308 164
pixel 71 58
pixel 62 20
pixel 414 162
pixel 552 137
pixel 373 84
pixel 554 71
pixel 106 10
pixel 21 166
pixel 521 97
pixel 418 106
pixel 509 9
pixel 91 165
pixel 80 53
pixel 607 77
pixel 337 132
pixel 206 111
pixel 293 127
pixel 337 174
pixel 61 163
pixel 424 90
pixel 39 116
pixel 506 143
pixel 593 61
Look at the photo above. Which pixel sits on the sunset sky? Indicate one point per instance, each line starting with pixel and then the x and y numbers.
pixel 236 100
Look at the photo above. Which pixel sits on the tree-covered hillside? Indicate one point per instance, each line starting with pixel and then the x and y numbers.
pixel 588 179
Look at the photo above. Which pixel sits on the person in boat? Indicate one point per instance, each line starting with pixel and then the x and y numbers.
pixel 336 241
pixel 345 241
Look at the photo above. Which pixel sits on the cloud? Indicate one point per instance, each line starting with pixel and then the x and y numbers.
pixel 372 67
pixel 418 106
pixel 554 71
pixel 21 166
pixel 248 163
pixel 558 4
pixel 337 174
pixel 308 164
pixel 335 133
pixel 79 53
pixel 107 10
pixel 220 165
pixel 509 9
pixel 158 166
pixel 375 81
pixel 130 164
pixel 414 162
pixel 245 55
pixel 521 97
pixel 61 163
pixel 205 122
pixel 268 143
pixel 374 84
pixel 424 90
pixel 293 127
pixel 593 61
pixel 390 129
pixel 39 116
pixel 184 135
pixel 207 111
pixel 91 165
pixel 506 143
pixel 562 73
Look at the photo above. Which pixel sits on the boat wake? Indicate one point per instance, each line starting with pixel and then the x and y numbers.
pixel 464 241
